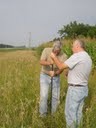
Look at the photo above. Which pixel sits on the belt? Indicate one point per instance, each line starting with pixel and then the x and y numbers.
pixel 76 85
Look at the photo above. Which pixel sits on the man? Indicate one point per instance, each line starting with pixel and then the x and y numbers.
pixel 79 65
pixel 47 76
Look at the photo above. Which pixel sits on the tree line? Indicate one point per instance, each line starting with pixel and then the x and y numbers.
pixel 6 46
pixel 74 30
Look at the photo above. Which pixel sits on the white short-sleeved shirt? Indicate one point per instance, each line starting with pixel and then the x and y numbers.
pixel 79 68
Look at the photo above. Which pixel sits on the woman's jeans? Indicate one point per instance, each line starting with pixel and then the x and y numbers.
pixel 45 83
pixel 74 105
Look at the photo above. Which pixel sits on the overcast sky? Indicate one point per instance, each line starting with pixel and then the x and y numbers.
pixel 43 18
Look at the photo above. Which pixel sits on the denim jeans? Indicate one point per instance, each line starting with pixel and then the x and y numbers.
pixel 74 105
pixel 45 83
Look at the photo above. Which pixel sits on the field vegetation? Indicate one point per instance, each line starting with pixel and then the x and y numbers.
pixel 19 90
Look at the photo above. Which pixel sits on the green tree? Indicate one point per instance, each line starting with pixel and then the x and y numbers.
pixel 75 29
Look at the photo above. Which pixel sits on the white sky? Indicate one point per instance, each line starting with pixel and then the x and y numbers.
pixel 43 18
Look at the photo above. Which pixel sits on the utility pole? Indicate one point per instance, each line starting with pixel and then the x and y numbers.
pixel 29 45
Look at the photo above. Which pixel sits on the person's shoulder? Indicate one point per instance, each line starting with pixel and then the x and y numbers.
pixel 48 49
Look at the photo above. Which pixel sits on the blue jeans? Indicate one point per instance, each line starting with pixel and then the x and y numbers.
pixel 45 83
pixel 74 105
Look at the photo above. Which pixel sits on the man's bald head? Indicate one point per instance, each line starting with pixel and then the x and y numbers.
pixel 78 45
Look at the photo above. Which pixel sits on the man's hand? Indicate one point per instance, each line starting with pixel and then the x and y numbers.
pixel 51 73
pixel 52 55
pixel 59 64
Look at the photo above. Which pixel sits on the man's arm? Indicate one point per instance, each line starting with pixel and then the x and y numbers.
pixel 58 72
pixel 45 63
pixel 53 73
pixel 59 64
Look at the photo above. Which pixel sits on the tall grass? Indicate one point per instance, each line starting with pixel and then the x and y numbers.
pixel 18 87
pixel 19 94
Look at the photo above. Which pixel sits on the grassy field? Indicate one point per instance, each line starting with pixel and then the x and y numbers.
pixel 19 94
